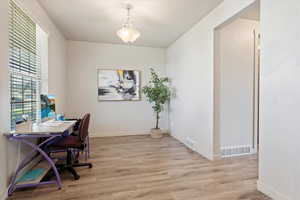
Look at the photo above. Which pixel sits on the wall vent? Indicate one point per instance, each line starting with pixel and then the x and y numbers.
pixel 235 151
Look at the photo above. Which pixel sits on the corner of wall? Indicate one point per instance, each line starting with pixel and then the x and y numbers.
pixel 184 56
pixel 271 192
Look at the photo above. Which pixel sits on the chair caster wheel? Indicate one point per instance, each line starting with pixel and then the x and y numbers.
pixel 77 177
pixel 90 165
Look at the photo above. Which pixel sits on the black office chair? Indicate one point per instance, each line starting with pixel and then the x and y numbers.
pixel 72 144
pixel 86 150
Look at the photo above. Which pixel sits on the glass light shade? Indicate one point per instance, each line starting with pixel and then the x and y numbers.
pixel 128 34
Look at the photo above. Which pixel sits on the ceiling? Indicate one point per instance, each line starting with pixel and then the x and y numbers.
pixel 253 12
pixel 160 21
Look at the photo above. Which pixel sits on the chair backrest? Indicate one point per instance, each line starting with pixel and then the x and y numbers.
pixel 84 127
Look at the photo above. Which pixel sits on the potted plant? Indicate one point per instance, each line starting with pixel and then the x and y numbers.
pixel 158 93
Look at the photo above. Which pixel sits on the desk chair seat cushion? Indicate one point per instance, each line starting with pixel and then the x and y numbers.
pixel 69 142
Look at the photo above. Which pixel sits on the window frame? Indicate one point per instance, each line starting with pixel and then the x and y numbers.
pixel 21 25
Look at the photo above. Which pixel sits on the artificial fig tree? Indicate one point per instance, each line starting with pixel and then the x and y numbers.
pixel 158 93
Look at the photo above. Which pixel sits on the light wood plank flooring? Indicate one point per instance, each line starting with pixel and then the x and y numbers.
pixel 141 168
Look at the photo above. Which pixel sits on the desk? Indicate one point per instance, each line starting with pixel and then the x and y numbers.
pixel 49 130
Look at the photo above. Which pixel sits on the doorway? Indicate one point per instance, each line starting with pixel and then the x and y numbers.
pixel 236 84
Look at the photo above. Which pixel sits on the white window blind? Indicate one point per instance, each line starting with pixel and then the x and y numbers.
pixel 24 65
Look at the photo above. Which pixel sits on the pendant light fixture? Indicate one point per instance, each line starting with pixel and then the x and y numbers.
pixel 128 33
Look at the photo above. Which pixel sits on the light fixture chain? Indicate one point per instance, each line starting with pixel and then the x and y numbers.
pixel 128 23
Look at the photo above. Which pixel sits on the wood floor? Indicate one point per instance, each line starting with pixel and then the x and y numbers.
pixel 141 168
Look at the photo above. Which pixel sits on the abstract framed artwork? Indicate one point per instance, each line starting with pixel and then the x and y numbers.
pixel 118 85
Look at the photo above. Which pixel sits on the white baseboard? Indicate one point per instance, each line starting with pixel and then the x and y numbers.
pixel 269 191
pixel 4 195
pixel 217 156
pixel 194 149
pixel 121 133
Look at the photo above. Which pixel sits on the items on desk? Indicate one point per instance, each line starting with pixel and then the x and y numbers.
pixel 60 117
pixel 48 107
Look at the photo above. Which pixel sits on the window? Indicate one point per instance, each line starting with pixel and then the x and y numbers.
pixel 24 65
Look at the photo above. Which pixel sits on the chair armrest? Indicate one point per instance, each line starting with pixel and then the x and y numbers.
pixel 67 119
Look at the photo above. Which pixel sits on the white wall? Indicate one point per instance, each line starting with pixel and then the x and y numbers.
pixel 57 78
pixel 4 92
pixel 42 50
pixel 110 118
pixel 235 81
pixel 279 164
pixel 190 63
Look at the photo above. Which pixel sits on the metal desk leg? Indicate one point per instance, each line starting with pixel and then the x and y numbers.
pixel 37 148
